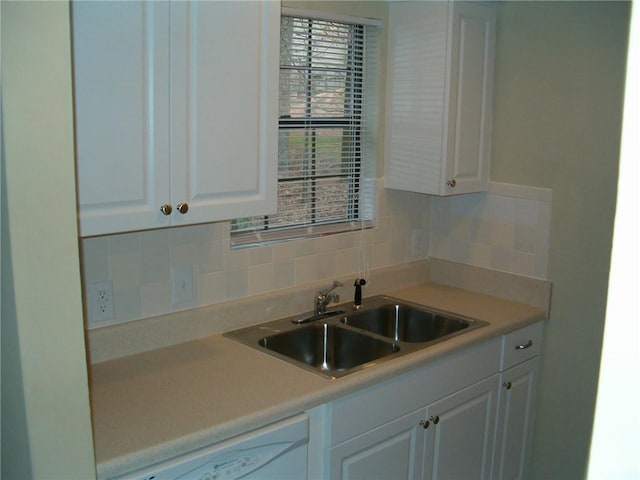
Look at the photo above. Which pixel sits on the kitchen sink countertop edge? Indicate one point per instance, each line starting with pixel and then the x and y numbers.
pixel 152 406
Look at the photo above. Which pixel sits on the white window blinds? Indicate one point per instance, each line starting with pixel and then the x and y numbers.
pixel 325 132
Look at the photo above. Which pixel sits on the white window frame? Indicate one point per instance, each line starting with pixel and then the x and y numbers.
pixel 366 196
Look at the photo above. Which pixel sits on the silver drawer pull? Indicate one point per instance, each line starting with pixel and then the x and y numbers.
pixel 526 345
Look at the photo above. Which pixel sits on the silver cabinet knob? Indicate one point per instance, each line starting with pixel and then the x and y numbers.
pixel 451 183
pixel 183 208
pixel 166 209
pixel 424 424
pixel 435 419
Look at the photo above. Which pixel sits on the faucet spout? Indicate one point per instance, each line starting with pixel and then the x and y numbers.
pixel 325 296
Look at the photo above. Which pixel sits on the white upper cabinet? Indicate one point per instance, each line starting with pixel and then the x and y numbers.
pixel 439 97
pixel 121 88
pixel 176 111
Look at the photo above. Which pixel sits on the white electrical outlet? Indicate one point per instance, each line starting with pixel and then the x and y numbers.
pixel 101 301
pixel 182 284
pixel 418 244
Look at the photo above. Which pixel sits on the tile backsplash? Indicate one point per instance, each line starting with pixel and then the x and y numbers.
pixel 505 229
pixel 141 265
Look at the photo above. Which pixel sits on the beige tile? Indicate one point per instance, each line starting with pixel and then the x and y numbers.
pixel 124 243
pixel 260 255
pixel 125 270
pixel 95 259
pixel 180 235
pixel 95 246
pixel 305 269
pixel 305 247
pixel 283 274
pixel 346 261
pixel 381 255
pixel 480 255
pixel 210 257
pixel 155 265
pixel 502 235
pixel 501 259
pixel 221 230
pixel 325 266
pixel 283 251
pixel 156 299
pixel 525 239
pixel 212 288
pixel 235 259
pixel 155 239
pixel 439 247
pixel 260 279
pixel 237 283
pixel 127 303
pixel 480 230
pixel 523 264
pixel 184 254
pixel 460 229
pixel 326 244
pixel 346 240
pixel 400 250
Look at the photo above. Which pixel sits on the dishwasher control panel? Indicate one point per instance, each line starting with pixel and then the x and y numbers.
pixel 237 464
pixel 275 451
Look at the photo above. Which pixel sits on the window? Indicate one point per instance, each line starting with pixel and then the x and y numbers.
pixel 326 141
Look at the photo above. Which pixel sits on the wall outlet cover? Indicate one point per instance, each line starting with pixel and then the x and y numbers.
pixel 101 301
pixel 182 284
pixel 418 243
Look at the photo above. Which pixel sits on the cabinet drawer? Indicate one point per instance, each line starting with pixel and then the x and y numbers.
pixel 521 345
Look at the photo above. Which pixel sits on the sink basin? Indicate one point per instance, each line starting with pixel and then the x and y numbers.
pixel 328 348
pixel 406 323
pixel 342 341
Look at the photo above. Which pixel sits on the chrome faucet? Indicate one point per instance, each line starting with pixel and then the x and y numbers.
pixel 325 296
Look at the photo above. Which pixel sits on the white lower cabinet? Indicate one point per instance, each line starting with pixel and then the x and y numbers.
pixel 468 416
pixel 516 407
pixel 515 421
pixel 393 450
pixel 460 434
pixel 450 439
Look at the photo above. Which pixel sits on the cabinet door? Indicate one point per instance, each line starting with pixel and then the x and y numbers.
pixel 470 98
pixel 416 70
pixel 121 88
pixel 224 100
pixel 460 442
pixel 439 96
pixel 393 450
pixel 515 420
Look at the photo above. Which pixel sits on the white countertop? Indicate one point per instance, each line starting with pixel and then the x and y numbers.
pixel 152 406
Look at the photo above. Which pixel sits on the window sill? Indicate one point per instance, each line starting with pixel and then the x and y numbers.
pixel 264 238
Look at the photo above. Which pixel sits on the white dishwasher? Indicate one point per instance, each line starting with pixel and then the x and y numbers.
pixel 278 451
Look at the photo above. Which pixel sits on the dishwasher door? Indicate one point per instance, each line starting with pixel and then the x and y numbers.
pixel 278 451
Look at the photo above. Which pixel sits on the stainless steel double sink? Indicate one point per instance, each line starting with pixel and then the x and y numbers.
pixel 345 340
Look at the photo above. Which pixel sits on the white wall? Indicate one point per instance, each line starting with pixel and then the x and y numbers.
pixel 557 122
pixel 47 433
pixel 616 438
